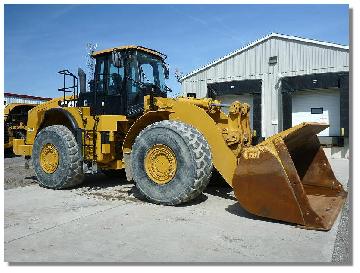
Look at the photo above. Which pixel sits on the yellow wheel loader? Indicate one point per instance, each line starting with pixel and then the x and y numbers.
pixel 169 146
pixel 15 120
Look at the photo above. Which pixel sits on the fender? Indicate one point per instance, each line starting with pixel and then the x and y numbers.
pixel 39 116
pixel 60 111
pixel 140 124
pixel 73 124
pixel 36 117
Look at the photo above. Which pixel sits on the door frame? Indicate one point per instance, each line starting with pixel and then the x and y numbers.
pixel 253 87
pixel 289 85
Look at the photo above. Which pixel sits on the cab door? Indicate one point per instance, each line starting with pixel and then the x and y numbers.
pixel 108 95
pixel 143 79
pixel 135 96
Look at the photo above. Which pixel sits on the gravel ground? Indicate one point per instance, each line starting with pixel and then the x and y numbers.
pixel 342 253
pixel 15 174
pixel 97 186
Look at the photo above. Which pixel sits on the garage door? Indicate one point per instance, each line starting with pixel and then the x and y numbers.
pixel 318 106
pixel 228 99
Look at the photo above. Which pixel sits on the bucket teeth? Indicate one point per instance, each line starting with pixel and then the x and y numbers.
pixel 288 178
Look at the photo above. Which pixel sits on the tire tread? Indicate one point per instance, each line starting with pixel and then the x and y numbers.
pixel 201 153
pixel 74 174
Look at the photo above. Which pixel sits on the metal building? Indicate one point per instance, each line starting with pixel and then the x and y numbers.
pixel 20 98
pixel 286 80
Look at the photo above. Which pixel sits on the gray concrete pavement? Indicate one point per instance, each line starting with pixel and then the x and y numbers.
pixel 106 222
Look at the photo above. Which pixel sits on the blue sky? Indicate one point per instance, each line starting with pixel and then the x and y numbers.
pixel 43 39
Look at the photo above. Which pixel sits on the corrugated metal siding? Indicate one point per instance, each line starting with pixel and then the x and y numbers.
pixel 294 58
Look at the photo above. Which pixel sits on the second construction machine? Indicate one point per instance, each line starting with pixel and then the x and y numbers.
pixel 15 120
pixel 169 146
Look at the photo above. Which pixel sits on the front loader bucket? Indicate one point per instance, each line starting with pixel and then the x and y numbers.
pixel 288 177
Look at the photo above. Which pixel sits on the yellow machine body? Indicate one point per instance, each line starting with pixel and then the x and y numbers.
pixel 225 134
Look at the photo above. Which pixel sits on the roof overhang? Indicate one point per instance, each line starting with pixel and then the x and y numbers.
pixel 269 36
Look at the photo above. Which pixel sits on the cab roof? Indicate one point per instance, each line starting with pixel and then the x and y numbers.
pixel 140 48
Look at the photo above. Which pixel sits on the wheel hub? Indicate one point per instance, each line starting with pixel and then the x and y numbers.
pixel 49 158
pixel 160 164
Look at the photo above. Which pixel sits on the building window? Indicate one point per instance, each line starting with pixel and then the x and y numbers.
pixel 191 95
pixel 319 110
pixel 273 60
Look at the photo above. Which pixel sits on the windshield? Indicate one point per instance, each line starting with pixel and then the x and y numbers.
pixel 149 69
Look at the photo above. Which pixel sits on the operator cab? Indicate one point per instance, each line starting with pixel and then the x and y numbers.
pixel 123 76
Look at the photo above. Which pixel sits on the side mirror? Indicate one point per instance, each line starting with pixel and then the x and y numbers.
pixel 117 59
pixel 166 71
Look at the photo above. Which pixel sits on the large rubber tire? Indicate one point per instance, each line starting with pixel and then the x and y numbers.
pixel 69 172
pixel 193 157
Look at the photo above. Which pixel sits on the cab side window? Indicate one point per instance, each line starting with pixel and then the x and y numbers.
pixel 100 75
pixel 116 79
pixel 146 73
pixel 134 73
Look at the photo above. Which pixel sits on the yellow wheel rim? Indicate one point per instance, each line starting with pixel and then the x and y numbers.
pixel 160 164
pixel 49 158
